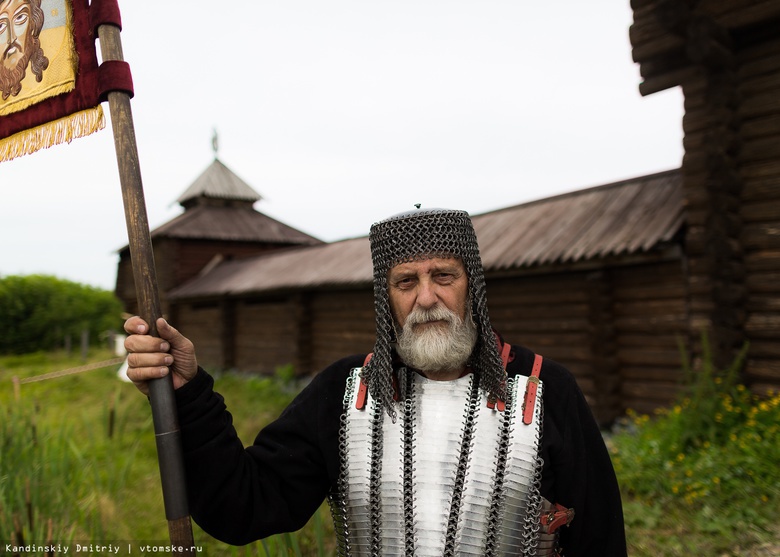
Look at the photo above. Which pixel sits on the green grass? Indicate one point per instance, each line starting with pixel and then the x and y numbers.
pixel 63 478
pixel 701 478
pixel 698 479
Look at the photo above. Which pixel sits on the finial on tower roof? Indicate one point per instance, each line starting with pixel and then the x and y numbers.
pixel 215 143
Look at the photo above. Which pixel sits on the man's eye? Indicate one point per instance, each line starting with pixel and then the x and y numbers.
pixel 21 18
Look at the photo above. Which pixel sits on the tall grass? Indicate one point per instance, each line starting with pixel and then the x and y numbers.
pixel 78 460
pixel 702 476
pixel 59 481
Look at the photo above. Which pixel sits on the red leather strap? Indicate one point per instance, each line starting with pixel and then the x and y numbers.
pixel 554 519
pixel 505 354
pixel 529 400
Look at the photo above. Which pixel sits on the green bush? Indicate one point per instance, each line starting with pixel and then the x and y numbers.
pixel 37 312
pixel 708 464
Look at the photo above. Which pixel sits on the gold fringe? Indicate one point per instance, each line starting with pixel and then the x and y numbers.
pixel 63 130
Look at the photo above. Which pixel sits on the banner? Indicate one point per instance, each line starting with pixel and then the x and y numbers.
pixel 51 85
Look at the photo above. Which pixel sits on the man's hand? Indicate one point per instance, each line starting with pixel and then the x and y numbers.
pixel 153 357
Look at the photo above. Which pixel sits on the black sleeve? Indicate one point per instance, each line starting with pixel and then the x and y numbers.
pixel 578 471
pixel 240 495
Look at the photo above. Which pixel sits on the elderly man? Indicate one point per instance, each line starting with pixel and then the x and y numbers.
pixel 444 441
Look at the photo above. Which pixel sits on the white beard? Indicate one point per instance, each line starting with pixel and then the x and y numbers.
pixel 436 349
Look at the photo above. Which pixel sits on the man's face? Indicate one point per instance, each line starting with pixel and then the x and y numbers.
pixel 424 284
pixel 14 29
pixel 429 301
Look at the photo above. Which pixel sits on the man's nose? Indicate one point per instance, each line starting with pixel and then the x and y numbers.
pixel 426 295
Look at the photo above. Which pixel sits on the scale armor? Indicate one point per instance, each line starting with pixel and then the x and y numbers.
pixel 414 236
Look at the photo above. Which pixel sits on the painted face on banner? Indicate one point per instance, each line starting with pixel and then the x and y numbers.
pixel 15 26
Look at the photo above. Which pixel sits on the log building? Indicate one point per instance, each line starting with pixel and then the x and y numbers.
pixel 608 281
pixel 725 54
pixel 219 223
pixel 593 279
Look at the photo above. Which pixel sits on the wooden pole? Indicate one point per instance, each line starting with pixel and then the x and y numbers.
pixel 164 413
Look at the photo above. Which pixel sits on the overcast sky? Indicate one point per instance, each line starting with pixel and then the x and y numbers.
pixel 342 112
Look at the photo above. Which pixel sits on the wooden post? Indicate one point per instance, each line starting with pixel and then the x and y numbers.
pixel 17 387
pixel 164 412
pixel 84 345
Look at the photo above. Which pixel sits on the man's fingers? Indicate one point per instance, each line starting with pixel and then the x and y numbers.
pixel 136 326
pixel 169 333
pixel 142 374
pixel 142 360
pixel 135 344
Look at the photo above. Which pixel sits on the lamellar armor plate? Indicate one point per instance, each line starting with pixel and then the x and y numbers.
pixel 451 477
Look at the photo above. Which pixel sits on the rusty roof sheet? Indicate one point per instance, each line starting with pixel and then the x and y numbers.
pixel 231 223
pixel 622 218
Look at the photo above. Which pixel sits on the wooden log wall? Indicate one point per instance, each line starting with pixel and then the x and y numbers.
pixel 265 335
pixel 342 324
pixel 650 318
pixel 552 315
pixel 712 187
pixel 201 322
pixel 726 56
pixel 758 68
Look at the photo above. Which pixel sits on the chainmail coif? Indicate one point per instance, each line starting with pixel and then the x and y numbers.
pixel 418 235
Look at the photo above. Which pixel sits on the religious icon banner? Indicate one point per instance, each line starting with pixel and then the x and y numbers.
pixel 51 84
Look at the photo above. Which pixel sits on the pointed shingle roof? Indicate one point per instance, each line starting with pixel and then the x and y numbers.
pixel 219 182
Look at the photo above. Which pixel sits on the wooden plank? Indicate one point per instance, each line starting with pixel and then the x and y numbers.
pixel 764 369
pixel 759 105
pixel 663 45
pixel 760 188
pixel 764 389
pixel 743 16
pixel 666 375
pixel 754 64
pixel 649 357
pixel 761 235
pixel 649 390
pixel 764 349
pixel 764 260
pixel 768 84
pixel 706 117
pixel 767 126
pixel 662 341
pixel 760 149
pixel 763 322
pixel 672 308
pixel 635 324
pixel 767 210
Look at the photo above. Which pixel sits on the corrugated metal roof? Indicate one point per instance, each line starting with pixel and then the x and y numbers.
pixel 625 217
pixel 621 218
pixel 231 223
pixel 219 182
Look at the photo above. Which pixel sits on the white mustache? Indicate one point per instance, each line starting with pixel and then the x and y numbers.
pixel 436 313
